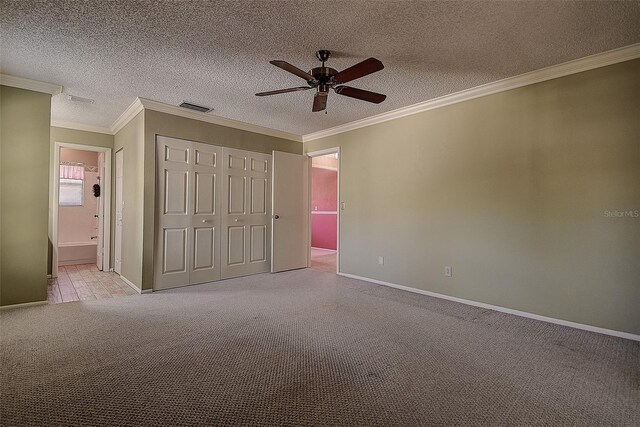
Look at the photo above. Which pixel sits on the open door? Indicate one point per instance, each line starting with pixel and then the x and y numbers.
pixel 100 213
pixel 290 212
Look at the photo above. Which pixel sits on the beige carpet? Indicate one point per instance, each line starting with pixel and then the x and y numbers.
pixel 306 348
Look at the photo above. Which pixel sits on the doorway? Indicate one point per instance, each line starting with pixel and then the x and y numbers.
pixel 81 203
pixel 324 210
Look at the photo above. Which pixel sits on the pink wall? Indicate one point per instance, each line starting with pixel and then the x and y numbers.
pixel 324 198
pixel 77 223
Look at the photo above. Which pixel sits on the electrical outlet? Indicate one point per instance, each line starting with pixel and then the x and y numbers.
pixel 381 260
pixel 448 271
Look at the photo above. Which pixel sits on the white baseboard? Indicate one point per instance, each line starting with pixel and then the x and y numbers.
pixel 324 249
pixel 137 289
pixel 590 328
pixel 76 262
pixel 128 282
pixel 23 305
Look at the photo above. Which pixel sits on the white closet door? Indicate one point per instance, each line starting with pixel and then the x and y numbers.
pixel 175 199
pixel 207 183
pixel 246 207
pixel 188 213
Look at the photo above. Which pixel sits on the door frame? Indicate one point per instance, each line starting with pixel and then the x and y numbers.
pixel 105 189
pixel 115 207
pixel 318 153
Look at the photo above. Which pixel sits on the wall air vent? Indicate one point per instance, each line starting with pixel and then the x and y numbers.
pixel 194 107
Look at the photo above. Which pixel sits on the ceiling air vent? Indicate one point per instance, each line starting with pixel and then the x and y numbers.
pixel 194 107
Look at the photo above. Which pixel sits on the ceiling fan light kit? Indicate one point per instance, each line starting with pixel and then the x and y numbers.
pixel 325 78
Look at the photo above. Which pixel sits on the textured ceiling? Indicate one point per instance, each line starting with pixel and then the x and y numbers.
pixel 216 53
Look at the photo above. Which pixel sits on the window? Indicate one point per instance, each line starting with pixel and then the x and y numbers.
pixel 71 185
pixel 71 192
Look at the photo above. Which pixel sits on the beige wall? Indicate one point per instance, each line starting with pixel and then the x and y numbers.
pixel 512 191
pixel 131 140
pixel 81 137
pixel 24 187
pixel 156 123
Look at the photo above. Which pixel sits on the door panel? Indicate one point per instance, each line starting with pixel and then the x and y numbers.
pixel 236 194
pixel 290 187
pixel 174 259
pixel 236 160
pixel 235 245
pixel 258 165
pixel 175 192
pixel 174 218
pixel 204 248
pixel 246 223
pixel 187 223
pixel 259 196
pixel 205 219
pixel 205 193
pixel 176 154
pixel 206 158
pixel 258 243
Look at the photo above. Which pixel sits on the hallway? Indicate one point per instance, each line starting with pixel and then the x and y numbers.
pixel 85 282
pixel 323 260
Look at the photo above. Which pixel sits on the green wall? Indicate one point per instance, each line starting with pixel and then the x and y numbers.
pixel 157 123
pixel 511 190
pixel 73 136
pixel 24 194
pixel 131 139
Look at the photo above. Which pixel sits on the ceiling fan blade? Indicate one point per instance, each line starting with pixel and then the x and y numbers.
pixel 319 101
pixel 293 70
pixel 361 94
pixel 275 92
pixel 361 69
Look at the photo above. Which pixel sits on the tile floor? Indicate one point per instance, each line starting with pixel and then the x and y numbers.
pixel 85 282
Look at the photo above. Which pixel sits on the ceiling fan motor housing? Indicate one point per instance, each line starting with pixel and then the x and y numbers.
pixel 323 76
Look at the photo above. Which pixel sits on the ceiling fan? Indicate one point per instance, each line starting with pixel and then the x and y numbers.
pixel 324 78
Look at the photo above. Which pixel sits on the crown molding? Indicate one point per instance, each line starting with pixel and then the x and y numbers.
pixel 126 116
pixel 35 85
pixel 80 126
pixel 217 120
pixel 611 57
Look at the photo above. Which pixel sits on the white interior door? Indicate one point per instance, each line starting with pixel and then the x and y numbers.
pixel 100 214
pixel 290 189
pixel 117 243
pixel 246 213
pixel 188 216
pixel 204 258
pixel 174 213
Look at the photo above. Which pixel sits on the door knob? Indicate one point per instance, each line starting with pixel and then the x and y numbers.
pixel 276 216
